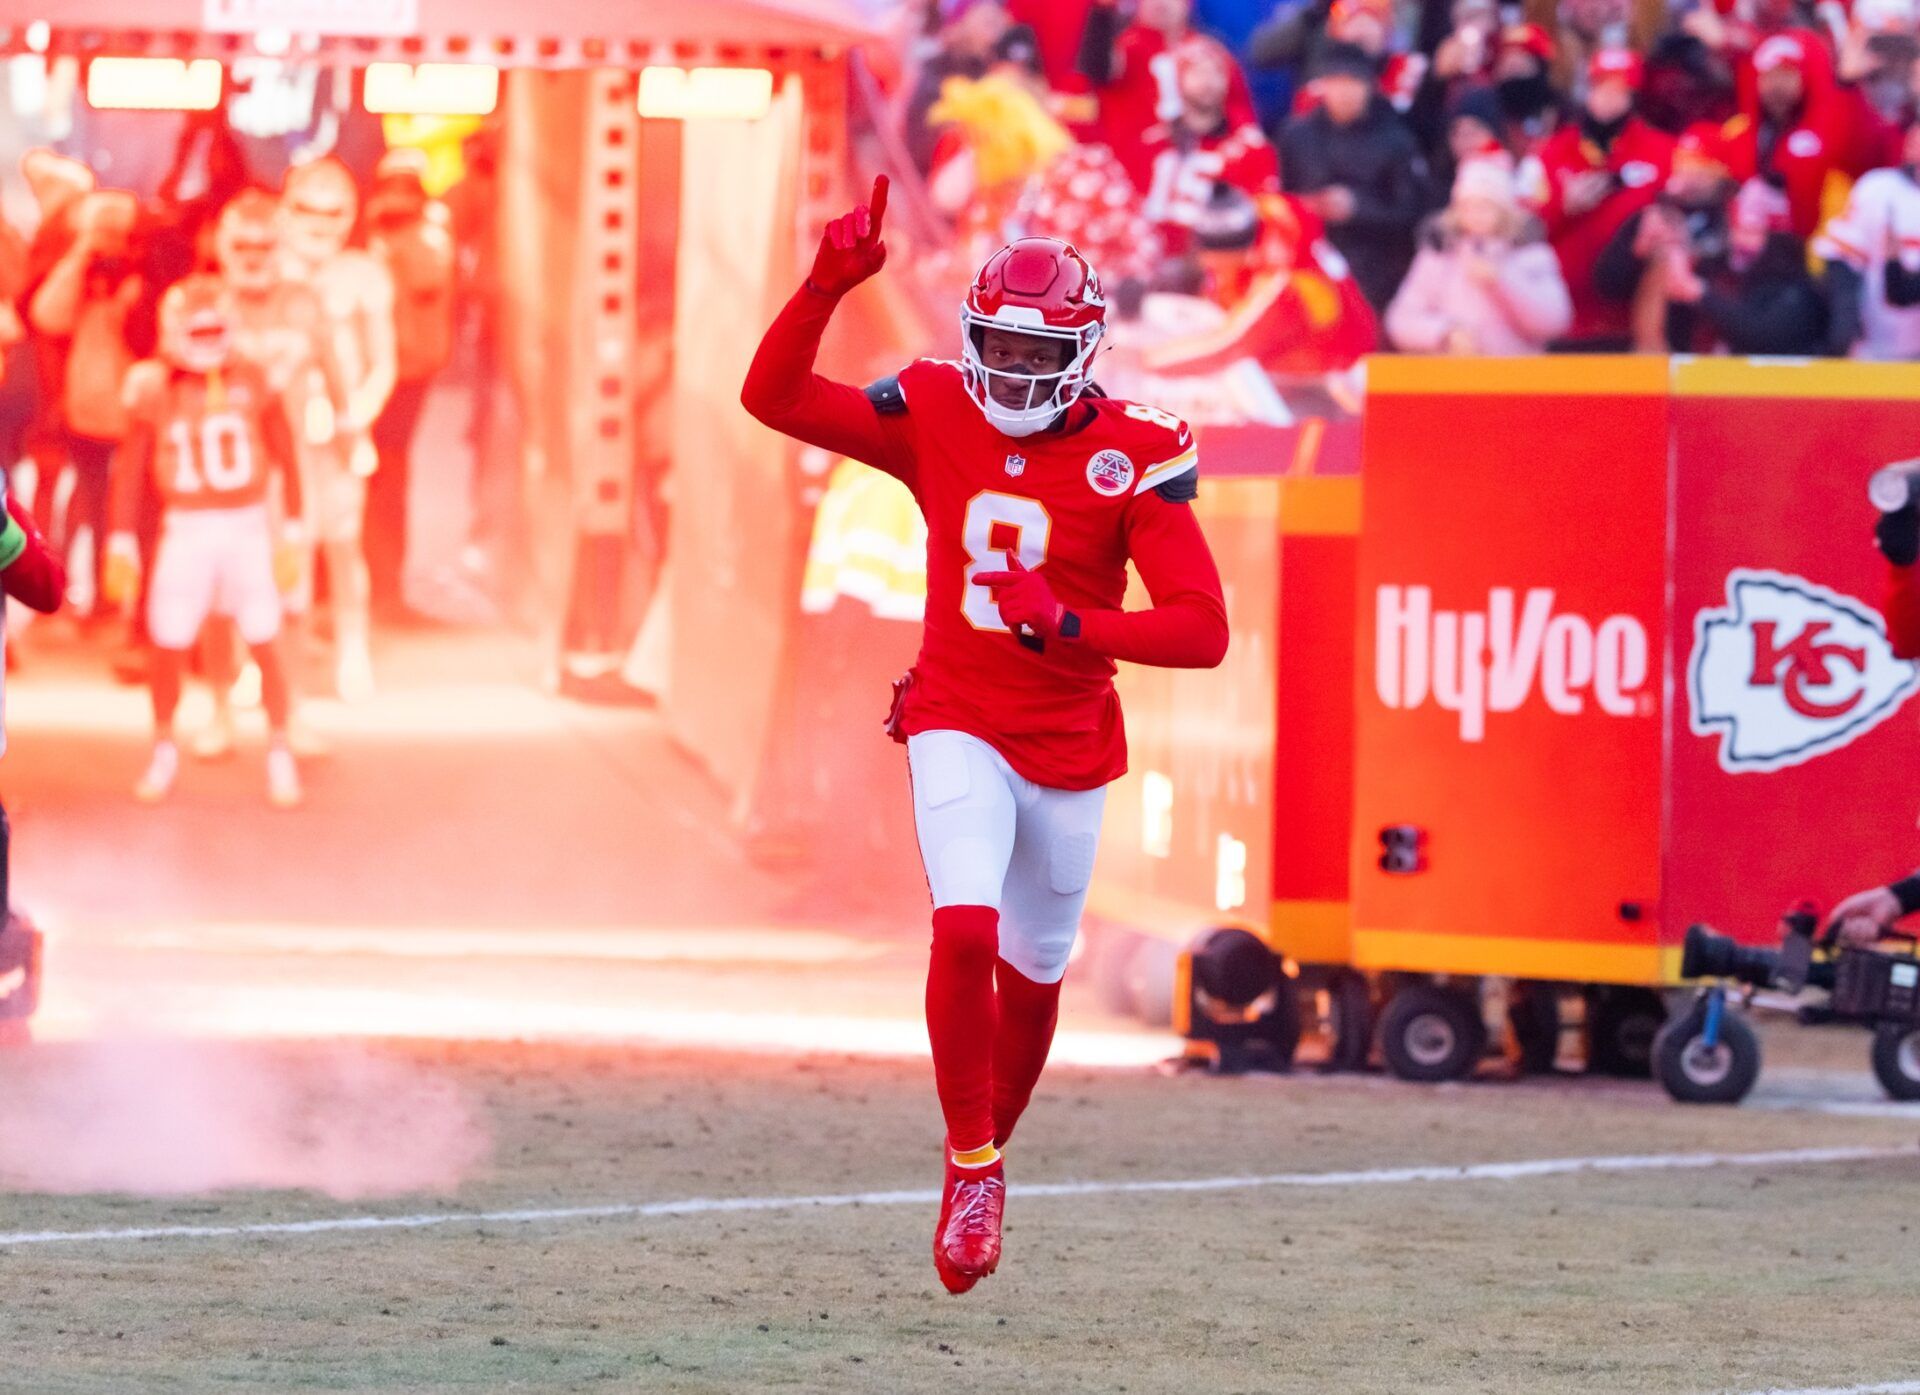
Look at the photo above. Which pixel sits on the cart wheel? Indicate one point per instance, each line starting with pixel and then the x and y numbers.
pixel 1621 1025
pixel 1534 1016
pixel 1695 1073
pixel 1349 1020
pixel 1431 1033
pixel 1896 1059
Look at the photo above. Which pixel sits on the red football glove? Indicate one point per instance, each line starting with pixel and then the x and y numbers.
pixel 851 249
pixel 1025 599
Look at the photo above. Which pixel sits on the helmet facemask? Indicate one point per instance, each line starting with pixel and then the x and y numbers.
pixel 1044 396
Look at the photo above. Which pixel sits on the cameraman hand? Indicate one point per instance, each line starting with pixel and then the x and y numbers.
pixel 1864 916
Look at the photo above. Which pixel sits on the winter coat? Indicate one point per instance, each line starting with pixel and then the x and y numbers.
pixel 1773 307
pixel 1519 312
pixel 1378 160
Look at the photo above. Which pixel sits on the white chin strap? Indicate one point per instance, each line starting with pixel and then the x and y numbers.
pixel 1057 391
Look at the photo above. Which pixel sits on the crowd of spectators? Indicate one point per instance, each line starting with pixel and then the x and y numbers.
pixel 1338 176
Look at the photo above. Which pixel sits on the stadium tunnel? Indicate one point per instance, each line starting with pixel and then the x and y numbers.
pixel 654 162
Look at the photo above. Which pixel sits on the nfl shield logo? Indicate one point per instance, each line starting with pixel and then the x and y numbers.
pixel 1016 465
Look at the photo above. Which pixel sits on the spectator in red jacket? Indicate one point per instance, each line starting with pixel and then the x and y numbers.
pixel 1809 135
pixel 1202 148
pixel 1591 177
pixel 1133 70
pixel 1293 307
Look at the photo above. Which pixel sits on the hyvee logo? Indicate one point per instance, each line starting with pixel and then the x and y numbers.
pixel 1788 670
pixel 1476 662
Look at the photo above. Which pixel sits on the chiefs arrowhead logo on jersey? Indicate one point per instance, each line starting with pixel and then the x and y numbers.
pixel 1110 472
pixel 1789 670
pixel 1016 465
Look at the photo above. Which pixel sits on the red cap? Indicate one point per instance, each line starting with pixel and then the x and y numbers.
pixel 1530 37
pixel 1714 143
pixel 1346 9
pixel 1616 65
pixel 1780 51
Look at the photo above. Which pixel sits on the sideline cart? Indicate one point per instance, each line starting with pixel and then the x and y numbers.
pixel 1618 669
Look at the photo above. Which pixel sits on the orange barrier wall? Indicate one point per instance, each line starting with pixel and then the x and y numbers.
pixel 1237 803
pixel 1603 629
pixel 1619 659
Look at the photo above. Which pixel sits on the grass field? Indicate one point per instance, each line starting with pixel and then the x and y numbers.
pixel 1734 1277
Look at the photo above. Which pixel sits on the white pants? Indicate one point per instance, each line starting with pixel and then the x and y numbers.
pixel 990 837
pixel 213 561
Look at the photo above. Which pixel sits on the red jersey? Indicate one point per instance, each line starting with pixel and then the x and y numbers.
pixel 1147 94
pixel 1835 140
pixel 1638 162
pixel 1075 504
pixel 1185 173
pixel 211 442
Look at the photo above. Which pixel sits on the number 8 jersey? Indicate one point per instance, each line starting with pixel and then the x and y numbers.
pixel 1073 504
pixel 215 439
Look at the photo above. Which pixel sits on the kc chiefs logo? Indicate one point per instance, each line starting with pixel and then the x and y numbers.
pixel 1788 670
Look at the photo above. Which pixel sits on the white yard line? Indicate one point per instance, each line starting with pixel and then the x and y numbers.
pixel 1897 1387
pixel 699 1206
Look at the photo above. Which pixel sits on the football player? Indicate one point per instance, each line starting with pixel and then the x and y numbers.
pixel 317 214
pixel 1037 491
pixel 281 326
pixel 213 433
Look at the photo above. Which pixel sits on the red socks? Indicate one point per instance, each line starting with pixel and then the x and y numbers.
pixel 989 1046
pixel 1022 1036
pixel 960 1019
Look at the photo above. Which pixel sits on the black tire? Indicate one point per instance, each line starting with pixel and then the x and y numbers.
pixel 1429 1033
pixel 1350 1020
pixel 1695 1074
pixel 1533 1015
pixel 1621 1026
pixel 1896 1059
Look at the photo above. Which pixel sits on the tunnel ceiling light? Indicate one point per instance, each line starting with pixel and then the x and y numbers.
pixel 714 94
pixel 431 89
pixel 153 84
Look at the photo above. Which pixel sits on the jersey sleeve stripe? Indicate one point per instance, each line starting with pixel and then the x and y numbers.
pixel 1157 475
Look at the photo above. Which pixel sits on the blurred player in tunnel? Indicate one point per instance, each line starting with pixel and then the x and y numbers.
pixel 1038 490
pixel 410 233
pixel 211 433
pixel 280 325
pixel 317 215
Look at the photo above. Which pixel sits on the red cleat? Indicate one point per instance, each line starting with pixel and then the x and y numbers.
pixel 966 1241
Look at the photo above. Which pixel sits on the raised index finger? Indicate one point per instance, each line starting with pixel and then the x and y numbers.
pixel 877 205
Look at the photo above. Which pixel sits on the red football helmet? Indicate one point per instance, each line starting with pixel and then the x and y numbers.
pixel 1037 286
